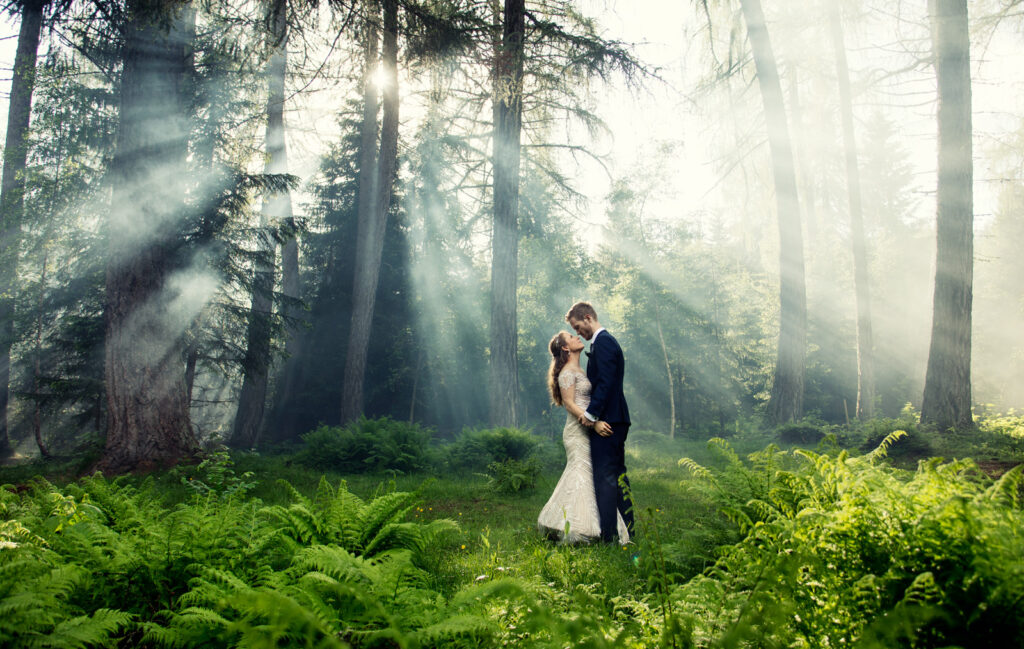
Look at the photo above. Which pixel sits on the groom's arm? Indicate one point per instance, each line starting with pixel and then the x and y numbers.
pixel 606 369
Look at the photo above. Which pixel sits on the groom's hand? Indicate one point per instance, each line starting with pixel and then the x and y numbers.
pixel 603 428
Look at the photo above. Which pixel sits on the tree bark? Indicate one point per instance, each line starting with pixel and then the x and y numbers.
pixel 276 210
pixel 508 118
pixel 12 193
pixel 865 338
pixel 787 394
pixel 148 422
pixel 947 386
pixel 375 184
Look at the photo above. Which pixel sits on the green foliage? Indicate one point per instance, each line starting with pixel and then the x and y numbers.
pixel 98 560
pixel 914 445
pixel 336 516
pixel 771 548
pixel 367 446
pixel 511 476
pixel 803 433
pixel 215 476
pixel 477 449
pixel 843 550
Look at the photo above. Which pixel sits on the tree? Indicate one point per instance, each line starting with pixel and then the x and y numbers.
pixel 786 400
pixel 865 343
pixel 277 209
pixel 947 386
pixel 12 189
pixel 508 116
pixel 147 409
pixel 376 177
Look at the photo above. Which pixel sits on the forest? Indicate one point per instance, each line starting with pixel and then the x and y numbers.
pixel 278 280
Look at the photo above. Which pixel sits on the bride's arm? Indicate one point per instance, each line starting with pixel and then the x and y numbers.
pixel 568 399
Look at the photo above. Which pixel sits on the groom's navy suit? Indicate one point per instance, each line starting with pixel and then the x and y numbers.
pixel 605 370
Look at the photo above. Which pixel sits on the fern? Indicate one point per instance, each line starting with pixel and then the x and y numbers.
pixel 1007 490
pixel 87 630
pixel 882 450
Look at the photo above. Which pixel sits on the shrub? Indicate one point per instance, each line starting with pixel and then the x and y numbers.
pixel 366 446
pixel 214 476
pixel 511 476
pixel 844 550
pixel 802 433
pixel 476 450
pixel 914 445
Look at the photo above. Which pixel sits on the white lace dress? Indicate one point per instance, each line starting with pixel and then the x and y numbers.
pixel 571 512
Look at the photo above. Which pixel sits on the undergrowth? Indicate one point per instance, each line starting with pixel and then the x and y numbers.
pixel 774 548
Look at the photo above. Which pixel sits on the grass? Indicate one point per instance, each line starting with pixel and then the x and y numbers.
pixel 679 528
pixel 499 535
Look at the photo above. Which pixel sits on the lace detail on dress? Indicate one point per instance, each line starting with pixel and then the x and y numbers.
pixel 572 507
pixel 566 379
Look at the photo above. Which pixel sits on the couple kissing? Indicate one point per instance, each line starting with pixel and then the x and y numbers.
pixel 589 502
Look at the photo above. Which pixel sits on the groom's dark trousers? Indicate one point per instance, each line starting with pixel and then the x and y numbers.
pixel 608 456
pixel 605 370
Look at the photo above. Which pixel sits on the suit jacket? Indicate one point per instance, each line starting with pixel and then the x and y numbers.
pixel 605 370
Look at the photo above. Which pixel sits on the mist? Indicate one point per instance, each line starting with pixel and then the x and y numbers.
pixel 649 183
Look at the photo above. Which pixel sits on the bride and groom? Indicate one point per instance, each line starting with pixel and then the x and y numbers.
pixel 589 502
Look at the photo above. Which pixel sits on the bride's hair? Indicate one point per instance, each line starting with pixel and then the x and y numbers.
pixel 559 357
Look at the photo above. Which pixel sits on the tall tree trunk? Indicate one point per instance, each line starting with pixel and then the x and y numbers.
pixel 803 155
pixel 283 210
pixel 375 184
pixel 787 395
pixel 148 413
pixel 276 210
pixel 37 411
pixel 37 373
pixel 865 342
pixel 947 385
pixel 508 118
pixel 12 193
pixel 204 160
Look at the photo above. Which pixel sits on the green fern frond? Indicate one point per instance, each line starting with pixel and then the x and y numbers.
pixel 739 518
pixel 724 449
pixel 293 494
pixel 379 512
pixel 763 510
pixel 13 534
pixel 335 562
pixel 87 631
pixel 923 590
pixel 1007 489
pixel 204 616
pixel 883 447
pixel 695 469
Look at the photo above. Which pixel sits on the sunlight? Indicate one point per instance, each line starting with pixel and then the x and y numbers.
pixel 381 79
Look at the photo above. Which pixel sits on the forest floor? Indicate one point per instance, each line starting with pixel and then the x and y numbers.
pixel 713 531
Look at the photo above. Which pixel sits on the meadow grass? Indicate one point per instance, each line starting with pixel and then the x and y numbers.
pixel 724 526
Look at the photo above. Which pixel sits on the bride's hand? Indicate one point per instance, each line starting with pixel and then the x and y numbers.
pixel 603 428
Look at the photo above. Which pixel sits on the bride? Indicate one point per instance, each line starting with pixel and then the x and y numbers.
pixel 571 512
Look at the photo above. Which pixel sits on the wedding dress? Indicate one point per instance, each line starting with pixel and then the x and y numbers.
pixel 571 512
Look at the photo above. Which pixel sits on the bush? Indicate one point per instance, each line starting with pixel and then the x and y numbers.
pixel 846 550
pixel 512 476
pixel 476 450
pixel 913 446
pixel 802 433
pixel 367 446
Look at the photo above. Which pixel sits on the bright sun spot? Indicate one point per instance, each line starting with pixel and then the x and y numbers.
pixel 380 77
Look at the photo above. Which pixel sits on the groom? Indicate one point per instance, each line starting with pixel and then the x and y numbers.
pixel 607 403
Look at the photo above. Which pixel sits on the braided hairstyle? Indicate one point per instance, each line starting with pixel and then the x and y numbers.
pixel 559 357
